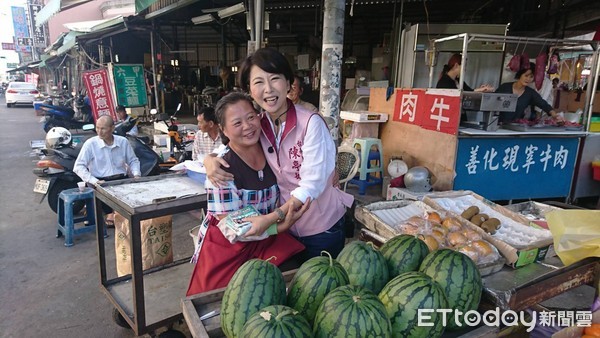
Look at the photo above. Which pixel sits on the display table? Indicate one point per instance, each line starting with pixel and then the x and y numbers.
pixel 149 299
pixel 518 289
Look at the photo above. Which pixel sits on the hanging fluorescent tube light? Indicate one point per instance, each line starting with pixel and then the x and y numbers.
pixel 206 18
pixel 233 10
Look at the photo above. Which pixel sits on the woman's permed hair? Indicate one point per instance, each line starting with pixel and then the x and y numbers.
pixel 222 105
pixel 268 59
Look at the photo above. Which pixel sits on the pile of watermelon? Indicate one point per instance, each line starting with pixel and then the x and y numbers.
pixel 365 292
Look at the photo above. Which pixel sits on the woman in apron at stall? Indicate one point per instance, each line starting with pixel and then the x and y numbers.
pixel 254 184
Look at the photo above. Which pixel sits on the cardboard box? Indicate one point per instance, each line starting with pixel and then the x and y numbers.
pixel 382 218
pixel 535 212
pixel 515 256
pixel 394 194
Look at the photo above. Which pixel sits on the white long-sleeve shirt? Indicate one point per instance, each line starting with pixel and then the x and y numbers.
pixel 97 159
pixel 319 152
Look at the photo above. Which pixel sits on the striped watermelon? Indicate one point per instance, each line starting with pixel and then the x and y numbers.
pixel 365 265
pixel 403 253
pixel 313 281
pixel 277 321
pixel 404 295
pixel 459 278
pixel 255 285
pixel 351 311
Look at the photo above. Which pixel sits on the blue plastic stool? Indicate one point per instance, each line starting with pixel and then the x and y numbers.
pixel 367 155
pixel 66 219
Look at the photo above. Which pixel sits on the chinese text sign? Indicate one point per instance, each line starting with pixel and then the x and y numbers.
pixel 520 168
pixel 130 84
pixel 437 110
pixel 98 88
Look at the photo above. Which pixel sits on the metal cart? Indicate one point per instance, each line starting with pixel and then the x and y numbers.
pixel 147 300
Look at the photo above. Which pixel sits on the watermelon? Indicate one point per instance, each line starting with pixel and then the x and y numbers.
pixel 312 282
pixel 351 311
pixel 277 321
pixel 458 276
pixel 404 295
pixel 365 265
pixel 255 285
pixel 403 253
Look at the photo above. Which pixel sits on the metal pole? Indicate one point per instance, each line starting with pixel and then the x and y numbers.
pixel 153 51
pixel 463 62
pixel 331 61
pixel 259 10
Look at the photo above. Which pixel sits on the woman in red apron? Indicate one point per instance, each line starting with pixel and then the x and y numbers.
pixel 255 184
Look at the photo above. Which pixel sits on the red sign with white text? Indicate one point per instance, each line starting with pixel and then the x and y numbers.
pixel 407 103
pixel 433 109
pixel 98 88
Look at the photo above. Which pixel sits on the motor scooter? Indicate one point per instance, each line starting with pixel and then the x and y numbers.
pixel 65 116
pixel 180 149
pixel 55 168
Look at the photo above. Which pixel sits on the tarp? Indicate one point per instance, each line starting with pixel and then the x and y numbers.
pixel 93 25
pixel 140 5
pixel 53 7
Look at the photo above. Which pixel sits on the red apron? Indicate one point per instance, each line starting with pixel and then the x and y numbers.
pixel 219 259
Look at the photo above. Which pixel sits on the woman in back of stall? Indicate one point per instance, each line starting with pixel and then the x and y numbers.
pixel 528 97
pixel 451 75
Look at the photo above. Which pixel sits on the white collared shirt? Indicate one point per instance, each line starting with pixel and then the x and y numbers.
pixel 96 159
pixel 319 155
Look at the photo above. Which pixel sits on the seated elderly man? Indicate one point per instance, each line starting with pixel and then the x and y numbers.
pixel 106 157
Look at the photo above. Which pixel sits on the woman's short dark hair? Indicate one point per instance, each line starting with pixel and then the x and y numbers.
pixel 524 70
pixel 268 59
pixel 223 104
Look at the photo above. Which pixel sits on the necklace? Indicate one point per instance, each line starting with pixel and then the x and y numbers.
pixel 278 117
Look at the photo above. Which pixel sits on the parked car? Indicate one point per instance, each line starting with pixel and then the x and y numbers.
pixel 20 93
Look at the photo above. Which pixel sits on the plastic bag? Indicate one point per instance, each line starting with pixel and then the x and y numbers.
pixel 576 234
pixel 525 63
pixel 540 67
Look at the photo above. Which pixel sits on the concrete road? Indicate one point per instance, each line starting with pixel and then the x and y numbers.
pixel 47 289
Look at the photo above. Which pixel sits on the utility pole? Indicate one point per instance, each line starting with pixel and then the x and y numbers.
pixel 331 61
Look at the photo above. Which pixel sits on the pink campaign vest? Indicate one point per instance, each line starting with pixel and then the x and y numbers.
pixel 286 161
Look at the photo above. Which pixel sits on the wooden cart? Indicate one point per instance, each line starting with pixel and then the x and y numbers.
pixel 149 299
pixel 202 311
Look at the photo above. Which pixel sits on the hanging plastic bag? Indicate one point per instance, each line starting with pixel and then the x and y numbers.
pixel 576 234
pixel 540 67
pixel 525 63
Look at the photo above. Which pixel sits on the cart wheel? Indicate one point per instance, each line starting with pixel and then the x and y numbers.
pixel 119 319
pixel 170 333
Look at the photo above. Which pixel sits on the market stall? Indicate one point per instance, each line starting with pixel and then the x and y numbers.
pixel 504 289
pixel 522 162
pixel 149 299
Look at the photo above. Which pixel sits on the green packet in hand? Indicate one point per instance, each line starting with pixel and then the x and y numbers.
pixel 235 221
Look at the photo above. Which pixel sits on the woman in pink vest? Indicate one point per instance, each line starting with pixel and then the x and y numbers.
pixel 299 149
